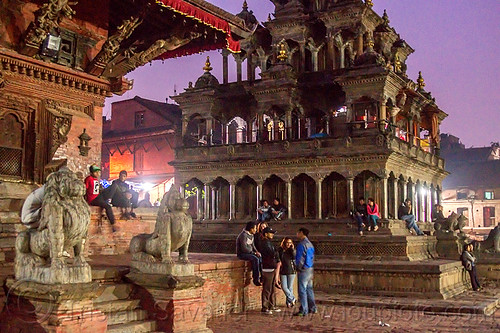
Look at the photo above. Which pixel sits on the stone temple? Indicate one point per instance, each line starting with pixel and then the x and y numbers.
pixel 327 114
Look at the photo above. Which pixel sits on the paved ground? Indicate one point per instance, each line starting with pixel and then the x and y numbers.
pixel 354 319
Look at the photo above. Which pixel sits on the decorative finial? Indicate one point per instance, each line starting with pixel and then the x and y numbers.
pixel 282 56
pixel 370 44
pixel 385 17
pixel 369 3
pixel 420 82
pixel 269 17
pixel 245 5
pixel 207 67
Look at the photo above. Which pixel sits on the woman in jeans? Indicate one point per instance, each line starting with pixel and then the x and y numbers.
pixel 287 271
pixel 469 262
pixel 373 215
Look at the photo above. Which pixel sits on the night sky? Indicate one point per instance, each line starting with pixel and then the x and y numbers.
pixel 457 48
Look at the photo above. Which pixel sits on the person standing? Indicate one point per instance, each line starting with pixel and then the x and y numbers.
pixel 287 270
pixel 304 261
pixel 469 262
pixel 404 213
pixel 245 250
pixel 360 215
pixel 97 197
pixel 270 267
pixel 373 215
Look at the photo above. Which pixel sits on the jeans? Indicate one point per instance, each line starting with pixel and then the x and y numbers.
pixel 360 220
pixel 263 217
pixel 287 286
pixel 256 263
pixel 411 224
pixel 102 201
pixel 306 293
pixel 372 220
pixel 473 278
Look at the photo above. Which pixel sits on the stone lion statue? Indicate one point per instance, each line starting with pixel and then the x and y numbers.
pixel 452 223
pixel 492 243
pixel 172 232
pixel 64 222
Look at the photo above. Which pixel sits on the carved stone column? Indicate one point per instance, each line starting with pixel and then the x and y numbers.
pixel 199 200
pixel 232 196
pixel 396 199
pixel 250 68
pixel 428 217
pixel 213 211
pixel 302 48
pixel 225 66
pixel 289 197
pixel 288 124
pixel 314 58
pixel 239 60
pixel 319 181
pixel 382 116
pixel 405 189
pixel 359 44
pixel 206 204
pixel 385 197
pixel 260 183
pixel 350 192
pixel 331 53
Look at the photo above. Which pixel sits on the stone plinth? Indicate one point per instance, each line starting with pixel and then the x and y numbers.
pixel 488 266
pixel 449 244
pixel 175 303
pixel 440 279
pixel 174 269
pixel 36 308
pixel 52 275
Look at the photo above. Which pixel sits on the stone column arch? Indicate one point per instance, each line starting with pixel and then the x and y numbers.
pixel 245 194
pixel 304 197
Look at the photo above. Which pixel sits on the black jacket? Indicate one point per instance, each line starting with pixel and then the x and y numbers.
pixel 287 259
pixel 403 210
pixel 270 257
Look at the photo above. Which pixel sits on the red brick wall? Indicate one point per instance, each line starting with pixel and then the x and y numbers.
pixel 123 116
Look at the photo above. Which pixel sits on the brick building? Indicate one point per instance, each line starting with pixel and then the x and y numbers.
pixel 140 138
pixel 473 186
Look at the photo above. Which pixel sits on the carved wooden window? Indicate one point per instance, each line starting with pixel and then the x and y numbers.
pixel 67 52
pixel 488 216
pixel 11 146
pixel 139 160
pixel 139 119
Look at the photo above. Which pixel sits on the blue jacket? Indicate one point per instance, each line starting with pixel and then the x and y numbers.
pixel 305 255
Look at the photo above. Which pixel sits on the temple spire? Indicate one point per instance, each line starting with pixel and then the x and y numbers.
pixel 208 66
pixel 385 17
pixel 245 5
pixel 369 3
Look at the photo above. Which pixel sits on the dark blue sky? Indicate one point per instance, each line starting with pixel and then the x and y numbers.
pixel 457 48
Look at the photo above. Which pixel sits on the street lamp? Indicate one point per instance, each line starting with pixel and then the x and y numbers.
pixel 471 199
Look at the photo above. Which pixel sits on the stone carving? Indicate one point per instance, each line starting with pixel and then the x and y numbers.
pixel 492 243
pixel 64 223
pixel 172 232
pixel 48 18
pixel 452 223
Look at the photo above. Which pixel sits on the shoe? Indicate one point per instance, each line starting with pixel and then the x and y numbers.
pixel 299 314
pixel 421 234
pixel 412 232
pixel 369 228
pixel 126 216
pixel 375 228
pixel 313 311
pixel 132 214
pixel 266 311
pixel 363 225
pixel 276 310
pixel 114 228
pixel 360 233
pixel 294 302
pixel 257 283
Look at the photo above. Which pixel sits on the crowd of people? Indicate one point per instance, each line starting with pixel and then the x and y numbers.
pixel 276 268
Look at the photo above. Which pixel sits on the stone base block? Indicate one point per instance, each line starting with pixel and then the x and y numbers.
pixel 38 308
pixel 175 303
pixel 68 274
pixel 489 267
pixel 440 279
pixel 175 269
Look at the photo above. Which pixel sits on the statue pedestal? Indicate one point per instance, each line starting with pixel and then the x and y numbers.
pixel 60 308
pixel 174 269
pixel 175 302
pixel 68 274
pixel 449 244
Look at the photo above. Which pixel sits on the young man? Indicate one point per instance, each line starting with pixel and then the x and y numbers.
pixel 96 197
pixel 264 211
pixel 277 209
pixel 360 215
pixel 245 250
pixel 124 197
pixel 404 213
pixel 270 268
pixel 304 261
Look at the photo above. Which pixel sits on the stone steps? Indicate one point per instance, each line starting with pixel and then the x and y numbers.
pixel 122 317
pixel 118 305
pixel 133 327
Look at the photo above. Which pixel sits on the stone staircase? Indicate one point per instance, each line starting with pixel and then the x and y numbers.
pixel 117 302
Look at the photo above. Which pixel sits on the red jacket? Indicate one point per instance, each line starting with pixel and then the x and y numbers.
pixel 373 211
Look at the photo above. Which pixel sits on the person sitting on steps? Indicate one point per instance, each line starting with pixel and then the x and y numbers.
pixel 373 214
pixel 245 250
pixel 404 213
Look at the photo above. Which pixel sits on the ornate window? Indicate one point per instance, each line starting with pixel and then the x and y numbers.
pixel 139 119
pixel 11 145
pixel 489 195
